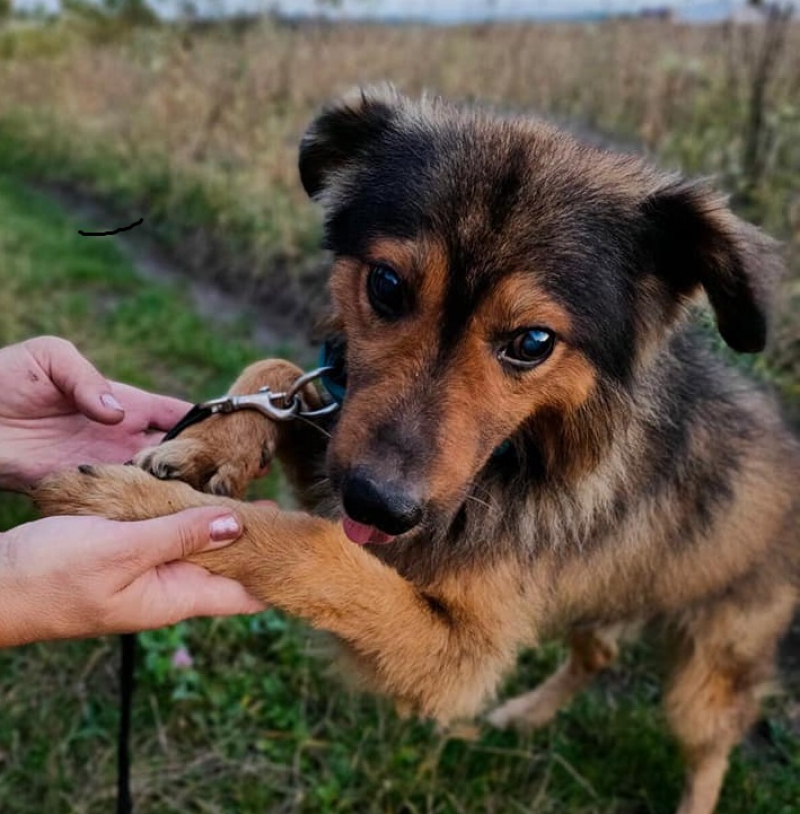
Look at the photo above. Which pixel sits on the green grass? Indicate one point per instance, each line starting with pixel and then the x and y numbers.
pixel 257 724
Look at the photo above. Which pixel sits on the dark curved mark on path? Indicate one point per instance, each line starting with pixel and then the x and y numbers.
pixel 115 232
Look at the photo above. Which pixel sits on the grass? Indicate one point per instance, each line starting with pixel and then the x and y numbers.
pixel 256 724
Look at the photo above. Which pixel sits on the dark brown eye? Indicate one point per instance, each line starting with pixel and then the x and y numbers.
pixel 529 348
pixel 386 291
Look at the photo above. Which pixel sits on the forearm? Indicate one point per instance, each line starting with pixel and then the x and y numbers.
pixel 26 615
pixel 16 624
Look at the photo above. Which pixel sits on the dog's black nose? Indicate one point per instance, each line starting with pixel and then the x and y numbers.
pixel 386 506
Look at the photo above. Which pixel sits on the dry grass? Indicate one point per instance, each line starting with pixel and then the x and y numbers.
pixel 233 100
pixel 200 131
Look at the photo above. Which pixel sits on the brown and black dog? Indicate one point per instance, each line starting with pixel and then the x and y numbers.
pixel 534 440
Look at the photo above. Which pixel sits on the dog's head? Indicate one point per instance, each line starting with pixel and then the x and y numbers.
pixel 492 275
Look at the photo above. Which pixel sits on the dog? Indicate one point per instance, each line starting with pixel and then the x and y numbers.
pixel 535 439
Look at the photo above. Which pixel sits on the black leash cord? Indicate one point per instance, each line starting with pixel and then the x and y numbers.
pixel 126 686
pixel 127 667
pixel 194 416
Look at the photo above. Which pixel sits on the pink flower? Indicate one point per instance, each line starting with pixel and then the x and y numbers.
pixel 182 659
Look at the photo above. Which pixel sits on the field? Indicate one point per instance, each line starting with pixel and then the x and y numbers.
pixel 196 131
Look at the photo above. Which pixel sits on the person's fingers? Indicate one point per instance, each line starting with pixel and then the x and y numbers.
pixel 159 412
pixel 187 590
pixel 76 378
pixel 149 543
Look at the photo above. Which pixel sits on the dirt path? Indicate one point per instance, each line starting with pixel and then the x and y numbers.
pixel 267 329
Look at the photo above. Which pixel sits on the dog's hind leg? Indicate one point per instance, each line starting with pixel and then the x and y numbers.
pixel 725 662
pixel 591 651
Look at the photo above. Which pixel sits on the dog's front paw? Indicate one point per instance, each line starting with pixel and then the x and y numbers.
pixel 115 492
pixel 221 456
pixel 224 453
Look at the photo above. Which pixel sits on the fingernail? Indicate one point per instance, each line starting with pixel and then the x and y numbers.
pixel 109 401
pixel 224 529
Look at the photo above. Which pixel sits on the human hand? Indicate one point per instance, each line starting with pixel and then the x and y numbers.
pixel 57 411
pixel 73 577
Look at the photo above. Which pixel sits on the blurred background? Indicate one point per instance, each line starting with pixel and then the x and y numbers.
pixel 187 113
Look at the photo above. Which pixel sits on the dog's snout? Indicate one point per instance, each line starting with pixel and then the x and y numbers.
pixel 387 506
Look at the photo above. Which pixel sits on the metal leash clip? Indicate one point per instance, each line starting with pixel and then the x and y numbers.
pixel 277 406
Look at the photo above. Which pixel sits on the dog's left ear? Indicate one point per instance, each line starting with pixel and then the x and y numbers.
pixel 698 242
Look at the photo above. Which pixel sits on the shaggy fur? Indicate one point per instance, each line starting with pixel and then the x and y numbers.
pixel 641 480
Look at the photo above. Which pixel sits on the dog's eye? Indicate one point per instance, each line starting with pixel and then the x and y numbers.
pixel 386 291
pixel 529 348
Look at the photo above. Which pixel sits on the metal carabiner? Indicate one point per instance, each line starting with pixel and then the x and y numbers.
pixel 294 393
pixel 277 406
pixel 273 405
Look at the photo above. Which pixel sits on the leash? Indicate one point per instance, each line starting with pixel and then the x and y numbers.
pixel 277 406
pixel 127 642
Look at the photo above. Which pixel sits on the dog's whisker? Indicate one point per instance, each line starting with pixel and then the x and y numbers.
pixel 480 502
pixel 308 422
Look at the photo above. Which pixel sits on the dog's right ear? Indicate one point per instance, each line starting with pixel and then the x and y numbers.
pixel 342 131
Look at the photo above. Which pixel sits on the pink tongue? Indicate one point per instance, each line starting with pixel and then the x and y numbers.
pixel 363 535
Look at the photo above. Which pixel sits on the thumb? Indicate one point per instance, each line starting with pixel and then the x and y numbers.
pixel 175 536
pixel 77 378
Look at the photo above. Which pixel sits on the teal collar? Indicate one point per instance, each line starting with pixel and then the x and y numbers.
pixel 331 355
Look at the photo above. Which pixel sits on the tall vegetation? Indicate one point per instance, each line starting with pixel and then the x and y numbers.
pixel 197 128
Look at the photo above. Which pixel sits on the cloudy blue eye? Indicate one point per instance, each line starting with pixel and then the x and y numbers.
pixel 529 348
pixel 386 291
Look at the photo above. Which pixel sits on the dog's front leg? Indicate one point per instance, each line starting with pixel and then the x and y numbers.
pixel 438 652
pixel 224 453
